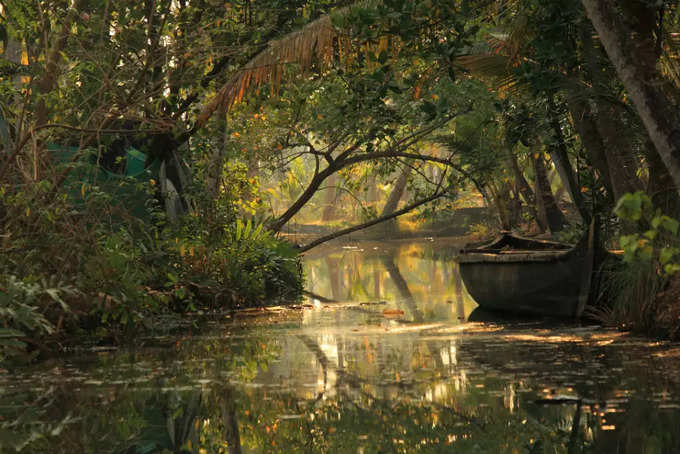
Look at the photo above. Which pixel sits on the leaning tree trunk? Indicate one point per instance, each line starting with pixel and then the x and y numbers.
pixel 591 140
pixel 502 208
pixel 629 54
pixel 394 198
pixel 660 183
pixel 546 204
pixel 524 188
pixel 560 157
pixel 330 198
pixel 618 149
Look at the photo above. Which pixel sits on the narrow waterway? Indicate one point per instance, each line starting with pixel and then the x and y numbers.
pixel 381 358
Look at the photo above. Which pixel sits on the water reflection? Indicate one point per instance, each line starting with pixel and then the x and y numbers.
pixel 419 278
pixel 390 367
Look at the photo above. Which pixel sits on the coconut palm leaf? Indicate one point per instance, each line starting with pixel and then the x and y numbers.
pixel 314 43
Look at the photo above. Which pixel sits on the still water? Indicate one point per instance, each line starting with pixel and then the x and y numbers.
pixel 391 365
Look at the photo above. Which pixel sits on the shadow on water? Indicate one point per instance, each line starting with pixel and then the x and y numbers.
pixel 392 366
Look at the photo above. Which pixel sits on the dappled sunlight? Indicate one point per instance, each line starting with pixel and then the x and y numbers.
pixel 538 338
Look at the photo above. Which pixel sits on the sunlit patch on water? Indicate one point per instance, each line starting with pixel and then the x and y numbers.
pixel 342 377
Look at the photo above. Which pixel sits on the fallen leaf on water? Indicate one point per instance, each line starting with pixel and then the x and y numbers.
pixel 393 312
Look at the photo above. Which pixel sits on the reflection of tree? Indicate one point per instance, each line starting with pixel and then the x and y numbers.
pixel 369 409
pixel 321 358
pixel 171 424
pixel 231 430
pixel 377 291
pixel 332 263
pixel 402 286
pixel 360 275
pixel 458 284
pixel 407 296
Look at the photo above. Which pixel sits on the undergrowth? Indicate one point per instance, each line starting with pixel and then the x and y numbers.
pixel 74 261
pixel 641 290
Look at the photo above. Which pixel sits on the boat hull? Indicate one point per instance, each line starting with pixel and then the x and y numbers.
pixel 545 287
pixel 541 278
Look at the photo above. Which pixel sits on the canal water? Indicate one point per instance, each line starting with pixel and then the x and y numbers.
pixel 387 355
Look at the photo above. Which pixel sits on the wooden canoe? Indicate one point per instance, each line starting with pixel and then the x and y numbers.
pixel 523 275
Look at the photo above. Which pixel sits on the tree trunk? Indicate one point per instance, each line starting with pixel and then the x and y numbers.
pixel 394 198
pixel 524 189
pixel 330 198
pixel 560 157
pixel 48 80
pixel 306 195
pixel 545 201
pixel 618 150
pixel 591 140
pixel 660 183
pixel 501 207
pixel 629 54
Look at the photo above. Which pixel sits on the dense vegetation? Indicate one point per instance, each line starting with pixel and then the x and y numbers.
pixel 250 116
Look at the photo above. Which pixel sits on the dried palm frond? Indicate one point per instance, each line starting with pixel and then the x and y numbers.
pixel 670 58
pixel 487 65
pixel 314 42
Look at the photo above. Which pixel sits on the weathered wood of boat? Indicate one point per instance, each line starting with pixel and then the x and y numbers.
pixel 524 275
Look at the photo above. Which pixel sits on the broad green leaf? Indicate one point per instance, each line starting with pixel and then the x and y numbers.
pixel 671 268
pixel 651 234
pixel 630 206
pixel 666 254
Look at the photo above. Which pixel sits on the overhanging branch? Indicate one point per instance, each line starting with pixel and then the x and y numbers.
pixel 339 233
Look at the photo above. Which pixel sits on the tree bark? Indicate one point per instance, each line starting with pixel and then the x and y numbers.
pixel 48 80
pixel 660 183
pixel 591 140
pixel 308 193
pixel 629 54
pixel 524 188
pixel 560 157
pixel 330 199
pixel 499 200
pixel 546 204
pixel 618 150
pixel 393 199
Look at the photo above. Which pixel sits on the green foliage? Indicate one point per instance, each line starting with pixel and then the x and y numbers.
pixel 657 240
pixel 75 258
pixel 23 306
pixel 634 288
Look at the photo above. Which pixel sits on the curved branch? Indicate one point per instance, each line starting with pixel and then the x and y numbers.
pixel 339 233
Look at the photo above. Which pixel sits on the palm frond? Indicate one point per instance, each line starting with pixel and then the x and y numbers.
pixel 314 42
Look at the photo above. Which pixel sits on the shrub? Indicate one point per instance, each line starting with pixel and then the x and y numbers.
pixel 73 258
pixel 643 289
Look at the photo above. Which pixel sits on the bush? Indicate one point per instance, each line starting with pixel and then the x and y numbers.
pixel 75 260
pixel 644 288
